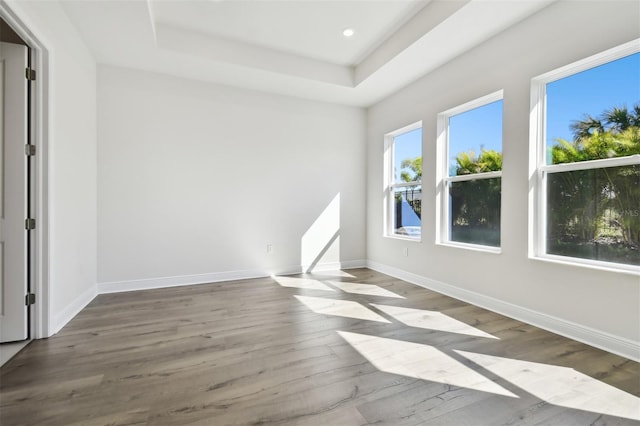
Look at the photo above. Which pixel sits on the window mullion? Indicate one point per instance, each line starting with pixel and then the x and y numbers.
pixel 474 176
pixel 470 203
pixel 592 164
pixel 403 210
pixel 584 212
pixel 405 185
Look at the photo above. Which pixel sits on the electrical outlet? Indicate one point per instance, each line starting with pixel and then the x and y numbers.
pixel 269 248
pixel 405 251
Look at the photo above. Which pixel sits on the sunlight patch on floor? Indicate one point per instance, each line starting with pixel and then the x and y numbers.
pixel 561 386
pixel 302 283
pixel 367 289
pixel 341 308
pixel 419 361
pixel 431 320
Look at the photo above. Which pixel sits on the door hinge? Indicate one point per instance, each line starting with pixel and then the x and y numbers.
pixel 29 224
pixel 30 149
pixel 30 299
pixel 30 74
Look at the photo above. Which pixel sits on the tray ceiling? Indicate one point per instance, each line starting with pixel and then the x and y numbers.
pixel 293 47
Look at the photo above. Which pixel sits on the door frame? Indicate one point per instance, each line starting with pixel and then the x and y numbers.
pixel 40 313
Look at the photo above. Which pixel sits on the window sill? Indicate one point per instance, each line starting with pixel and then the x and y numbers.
pixel 583 263
pixel 472 247
pixel 404 238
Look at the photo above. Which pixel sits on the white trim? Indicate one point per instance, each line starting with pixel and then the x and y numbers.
pixel 177 281
pixel 618 345
pixel 496 96
pixel 474 247
pixel 614 344
pixel 537 126
pixel 442 170
pixel 603 163
pixel 619 268
pixel 539 169
pixel 391 232
pixel 63 317
pixel 42 317
pixel 402 237
pixel 406 184
pixel 184 280
pixel 593 61
pixel 389 183
pixel 473 176
pixel 326 267
pixel 405 129
pixel 443 231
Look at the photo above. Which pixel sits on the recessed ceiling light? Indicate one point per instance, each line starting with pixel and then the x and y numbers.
pixel 348 32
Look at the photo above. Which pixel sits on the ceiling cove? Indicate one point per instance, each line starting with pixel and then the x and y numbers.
pixel 294 47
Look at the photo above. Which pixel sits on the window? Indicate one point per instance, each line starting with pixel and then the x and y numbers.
pixel 470 174
pixel 403 166
pixel 586 148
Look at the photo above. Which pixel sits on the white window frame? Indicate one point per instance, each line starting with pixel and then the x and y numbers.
pixel 443 236
pixel 390 185
pixel 539 169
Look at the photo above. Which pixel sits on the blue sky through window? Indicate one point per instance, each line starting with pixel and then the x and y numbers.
pixel 407 145
pixel 474 130
pixel 614 84
pixel 592 91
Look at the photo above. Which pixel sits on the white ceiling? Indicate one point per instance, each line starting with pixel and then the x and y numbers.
pixel 311 29
pixel 293 47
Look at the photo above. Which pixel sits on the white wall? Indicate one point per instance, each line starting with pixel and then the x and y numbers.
pixel 195 179
pixel 71 146
pixel 605 303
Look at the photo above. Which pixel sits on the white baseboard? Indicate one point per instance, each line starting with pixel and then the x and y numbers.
pixel 599 339
pixel 182 280
pixel 614 344
pixel 63 317
pixel 334 266
pixel 177 281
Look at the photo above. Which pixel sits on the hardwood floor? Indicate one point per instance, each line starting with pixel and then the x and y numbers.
pixel 351 349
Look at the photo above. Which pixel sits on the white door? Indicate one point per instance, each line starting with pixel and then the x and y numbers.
pixel 13 192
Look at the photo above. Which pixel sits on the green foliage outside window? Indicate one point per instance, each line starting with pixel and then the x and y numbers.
pixel 595 213
pixel 411 172
pixel 475 204
pixel 592 214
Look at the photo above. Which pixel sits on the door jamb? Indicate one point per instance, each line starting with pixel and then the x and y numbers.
pixel 41 325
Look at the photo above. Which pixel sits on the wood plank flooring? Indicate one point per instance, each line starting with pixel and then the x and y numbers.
pixel 351 348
